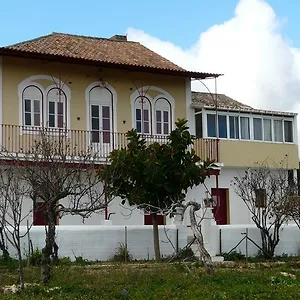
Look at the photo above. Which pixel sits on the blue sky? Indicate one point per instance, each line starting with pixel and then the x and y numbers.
pixel 177 21
pixel 254 43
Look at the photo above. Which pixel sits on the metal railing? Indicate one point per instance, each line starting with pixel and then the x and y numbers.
pixel 18 139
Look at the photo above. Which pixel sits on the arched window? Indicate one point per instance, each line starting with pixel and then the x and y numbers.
pixel 143 116
pixel 101 114
pixel 56 108
pixel 163 120
pixel 32 99
pixel 44 106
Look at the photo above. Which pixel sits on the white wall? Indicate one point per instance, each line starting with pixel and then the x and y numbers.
pixel 237 209
pixel 102 242
pixel 231 235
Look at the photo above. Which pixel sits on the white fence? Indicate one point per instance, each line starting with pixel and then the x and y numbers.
pixel 101 242
pixel 228 236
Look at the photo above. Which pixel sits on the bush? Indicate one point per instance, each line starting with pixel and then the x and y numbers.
pixel 8 262
pixel 233 256
pixel 35 258
pixel 122 254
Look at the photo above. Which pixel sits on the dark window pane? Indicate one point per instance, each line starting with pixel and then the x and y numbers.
pixel 278 133
pixel 95 111
pixel 222 126
pixel 267 130
pixel 95 123
pixel 234 127
pixel 211 125
pixel 106 137
pixel 245 129
pixel 139 126
pixel 199 126
pixel 51 107
pixel 288 131
pixel 158 127
pixel 166 128
pixel 51 121
pixel 166 116
pixel 36 106
pixel 60 121
pixel 158 116
pixel 138 114
pixel 105 112
pixel 257 129
pixel 146 127
pixel 95 137
pixel 106 124
pixel 27 119
pixel 37 120
pixel 146 114
pixel 60 108
pixel 27 105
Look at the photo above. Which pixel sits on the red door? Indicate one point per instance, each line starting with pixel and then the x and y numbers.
pixel 160 219
pixel 38 216
pixel 220 211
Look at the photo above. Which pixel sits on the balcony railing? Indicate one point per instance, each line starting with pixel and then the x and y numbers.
pixel 207 149
pixel 17 139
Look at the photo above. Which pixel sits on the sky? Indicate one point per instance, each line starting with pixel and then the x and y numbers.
pixel 254 43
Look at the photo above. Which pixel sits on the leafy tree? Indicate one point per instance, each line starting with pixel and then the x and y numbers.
pixel 155 177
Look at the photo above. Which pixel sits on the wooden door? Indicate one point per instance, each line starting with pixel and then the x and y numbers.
pixel 220 211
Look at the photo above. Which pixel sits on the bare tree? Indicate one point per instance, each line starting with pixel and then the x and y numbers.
pixel 61 180
pixel 266 192
pixel 197 232
pixel 13 191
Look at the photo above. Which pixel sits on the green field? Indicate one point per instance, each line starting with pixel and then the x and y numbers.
pixel 161 281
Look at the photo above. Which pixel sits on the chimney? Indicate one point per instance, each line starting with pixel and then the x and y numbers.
pixel 118 37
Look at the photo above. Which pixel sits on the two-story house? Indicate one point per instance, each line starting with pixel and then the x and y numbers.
pixel 246 138
pixel 96 89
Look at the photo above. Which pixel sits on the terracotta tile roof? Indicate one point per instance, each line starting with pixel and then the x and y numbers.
pixel 206 100
pixel 117 51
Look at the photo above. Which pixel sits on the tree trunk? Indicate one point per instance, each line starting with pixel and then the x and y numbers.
pixel 155 237
pixel 47 251
pixel 2 245
pixel 20 269
pixel 196 229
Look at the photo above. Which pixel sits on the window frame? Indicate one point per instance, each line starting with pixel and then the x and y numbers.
pixel 56 102
pixel 251 116
pixel 32 81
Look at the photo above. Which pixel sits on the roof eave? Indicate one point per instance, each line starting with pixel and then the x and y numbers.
pixel 50 57
pixel 244 110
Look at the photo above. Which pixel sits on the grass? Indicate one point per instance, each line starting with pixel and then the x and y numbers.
pixel 161 281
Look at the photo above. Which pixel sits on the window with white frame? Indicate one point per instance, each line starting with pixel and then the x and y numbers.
pixel 250 127
pixel 222 126
pixel 288 131
pixel 56 101
pixel 43 106
pixel 162 116
pixel 245 128
pixel 143 116
pixel 101 112
pixel 234 127
pixel 32 98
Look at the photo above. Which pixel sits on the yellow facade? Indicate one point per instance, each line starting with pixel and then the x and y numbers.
pixel 78 78
pixel 250 153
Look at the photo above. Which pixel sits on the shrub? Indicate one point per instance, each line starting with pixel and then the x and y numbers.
pixel 233 256
pixel 122 254
pixel 35 258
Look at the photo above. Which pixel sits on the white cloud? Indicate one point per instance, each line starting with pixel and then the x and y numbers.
pixel 261 68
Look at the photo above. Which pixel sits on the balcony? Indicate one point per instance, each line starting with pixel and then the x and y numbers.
pixel 21 140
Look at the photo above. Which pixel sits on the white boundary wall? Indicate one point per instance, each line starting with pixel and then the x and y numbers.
pixel 231 235
pixel 101 242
